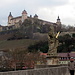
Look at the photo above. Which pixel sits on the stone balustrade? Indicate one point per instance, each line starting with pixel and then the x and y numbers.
pixel 61 70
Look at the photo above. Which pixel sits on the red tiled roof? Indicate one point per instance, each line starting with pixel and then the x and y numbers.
pixel 62 54
pixel 66 54
pixel 43 54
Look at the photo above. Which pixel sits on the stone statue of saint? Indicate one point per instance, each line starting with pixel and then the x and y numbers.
pixel 52 41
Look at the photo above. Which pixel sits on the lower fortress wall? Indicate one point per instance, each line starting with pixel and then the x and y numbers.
pixel 40 71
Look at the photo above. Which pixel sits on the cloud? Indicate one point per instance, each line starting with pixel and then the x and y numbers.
pixel 46 9
pixel 6 3
pixel 3 22
pixel 51 2
pixel 34 5
pixel 66 13
pixel 46 14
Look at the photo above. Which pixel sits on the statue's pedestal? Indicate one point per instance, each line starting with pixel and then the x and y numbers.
pixel 52 59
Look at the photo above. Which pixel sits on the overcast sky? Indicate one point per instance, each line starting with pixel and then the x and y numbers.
pixel 46 9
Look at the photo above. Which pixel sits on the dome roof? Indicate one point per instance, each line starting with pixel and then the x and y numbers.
pixel 35 15
pixel 58 18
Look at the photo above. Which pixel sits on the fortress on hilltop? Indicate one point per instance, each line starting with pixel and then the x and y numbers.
pixel 13 20
pixel 16 22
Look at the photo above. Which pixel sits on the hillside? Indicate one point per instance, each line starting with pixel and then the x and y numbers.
pixel 5 37
pixel 18 43
pixel 15 44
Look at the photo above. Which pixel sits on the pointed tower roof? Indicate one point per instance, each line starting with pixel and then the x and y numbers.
pixel 24 12
pixel 10 14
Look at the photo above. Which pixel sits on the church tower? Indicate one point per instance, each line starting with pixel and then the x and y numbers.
pixel 9 19
pixel 58 24
pixel 58 21
pixel 24 15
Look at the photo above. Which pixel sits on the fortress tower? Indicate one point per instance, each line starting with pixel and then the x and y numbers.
pixel 14 20
pixel 24 15
pixel 36 16
pixel 9 18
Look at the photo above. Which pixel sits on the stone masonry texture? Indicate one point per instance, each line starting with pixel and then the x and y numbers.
pixel 40 71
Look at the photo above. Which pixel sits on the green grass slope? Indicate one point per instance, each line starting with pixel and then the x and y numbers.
pixel 15 43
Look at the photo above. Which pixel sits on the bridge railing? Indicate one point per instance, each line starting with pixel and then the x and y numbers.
pixel 61 70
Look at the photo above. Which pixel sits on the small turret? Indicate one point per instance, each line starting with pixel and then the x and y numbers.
pixel 9 18
pixel 24 15
pixel 30 16
pixel 36 16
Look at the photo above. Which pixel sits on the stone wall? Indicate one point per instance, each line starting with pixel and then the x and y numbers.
pixel 47 66
pixel 40 71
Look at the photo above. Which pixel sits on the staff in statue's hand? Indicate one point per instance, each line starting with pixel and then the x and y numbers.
pixel 57 34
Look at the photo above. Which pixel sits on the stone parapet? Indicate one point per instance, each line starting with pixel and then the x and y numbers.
pixel 40 71
pixel 46 66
